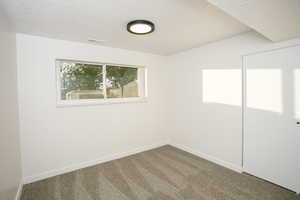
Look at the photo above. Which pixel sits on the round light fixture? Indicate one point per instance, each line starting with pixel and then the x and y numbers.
pixel 140 27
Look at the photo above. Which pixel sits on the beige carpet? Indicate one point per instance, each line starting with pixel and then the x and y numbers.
pixel 164 173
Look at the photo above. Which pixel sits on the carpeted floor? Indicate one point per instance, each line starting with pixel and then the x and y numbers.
pixel 165 173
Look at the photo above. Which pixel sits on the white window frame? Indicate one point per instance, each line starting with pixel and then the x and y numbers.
pixel 105 100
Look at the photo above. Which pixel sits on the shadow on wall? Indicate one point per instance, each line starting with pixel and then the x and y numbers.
pixel 272 107
pixel 265 89
pixel 8 194
pixel 213 115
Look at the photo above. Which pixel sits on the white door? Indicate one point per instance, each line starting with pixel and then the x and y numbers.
pixel 272 114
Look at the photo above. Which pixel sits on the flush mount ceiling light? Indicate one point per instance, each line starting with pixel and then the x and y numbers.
pixel 140 27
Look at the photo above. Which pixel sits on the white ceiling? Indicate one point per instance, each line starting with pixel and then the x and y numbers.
pixel 180 24
pixel 277 20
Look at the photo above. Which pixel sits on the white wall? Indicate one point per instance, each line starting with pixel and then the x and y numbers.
pixel 55 138
pixel 195 100
pixel 10 161
pixel 208 97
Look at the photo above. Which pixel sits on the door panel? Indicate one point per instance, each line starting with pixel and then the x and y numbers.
pixel 271 133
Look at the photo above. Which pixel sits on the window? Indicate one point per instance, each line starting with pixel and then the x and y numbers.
pixel 80 83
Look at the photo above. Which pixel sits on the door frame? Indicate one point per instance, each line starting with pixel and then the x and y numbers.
pixel 244 93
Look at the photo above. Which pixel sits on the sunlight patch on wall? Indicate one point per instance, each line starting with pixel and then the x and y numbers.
pixel 222 86
pixel 297 93
pixel 264 89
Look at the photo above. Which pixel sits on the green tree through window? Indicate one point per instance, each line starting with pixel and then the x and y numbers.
pixel 119 78
pixel 87 81
pixel 81 77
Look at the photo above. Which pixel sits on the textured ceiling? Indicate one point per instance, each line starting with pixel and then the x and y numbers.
pixel 180 24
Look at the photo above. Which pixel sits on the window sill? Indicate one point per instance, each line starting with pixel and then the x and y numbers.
pixel 91 102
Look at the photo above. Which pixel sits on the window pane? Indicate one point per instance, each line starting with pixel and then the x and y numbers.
pixel 121 82
pixel 81 81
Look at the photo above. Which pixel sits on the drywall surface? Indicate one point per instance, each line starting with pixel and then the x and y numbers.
pixel 71 22
pixel 275 19
pixel 195 101
pixel 10 159
pixel 55 138
pixel 207 82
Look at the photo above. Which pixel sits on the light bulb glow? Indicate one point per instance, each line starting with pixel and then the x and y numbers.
pixel 140 28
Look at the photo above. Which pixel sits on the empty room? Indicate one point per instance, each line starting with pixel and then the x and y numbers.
pixel 150 100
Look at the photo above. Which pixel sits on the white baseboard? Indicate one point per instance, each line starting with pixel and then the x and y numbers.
pixel 19 192
pixel 223 163
pixel 55 172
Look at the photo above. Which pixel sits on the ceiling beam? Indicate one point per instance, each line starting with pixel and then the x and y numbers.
pixel 277 20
